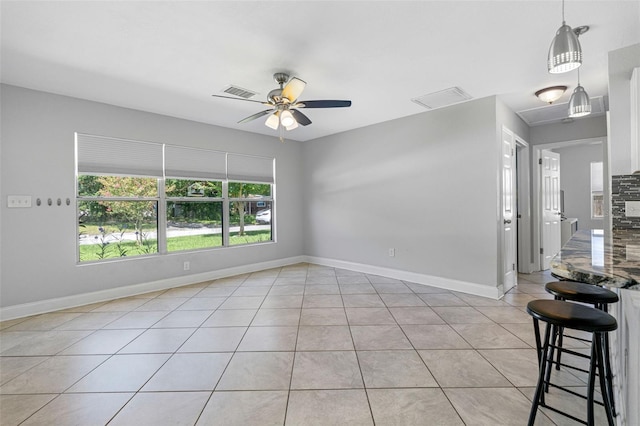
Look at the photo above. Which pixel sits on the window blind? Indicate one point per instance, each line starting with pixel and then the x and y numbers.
pixel 98 154
pixel 247 168
pixel 188 163
pixel 105 155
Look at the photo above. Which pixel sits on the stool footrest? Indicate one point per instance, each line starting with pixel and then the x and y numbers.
pixel 568 336
pixel 569 351
pixel 572 367
pixel 572 392
pixel 563 413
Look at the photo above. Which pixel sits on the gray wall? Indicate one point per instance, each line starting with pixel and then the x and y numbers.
pixel 38 244
pixel 426 185
pixel 575 180
pixel 580 128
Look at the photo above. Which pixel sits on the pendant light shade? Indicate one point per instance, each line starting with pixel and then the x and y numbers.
pixel 580 104
pixel 565 53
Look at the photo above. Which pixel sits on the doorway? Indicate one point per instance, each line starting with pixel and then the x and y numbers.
pixel 515 209
pixel 543 252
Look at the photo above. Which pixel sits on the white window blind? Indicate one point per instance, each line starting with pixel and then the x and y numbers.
pixel 596 176
pixel 98 154
pixel 189 163
pixel 246 168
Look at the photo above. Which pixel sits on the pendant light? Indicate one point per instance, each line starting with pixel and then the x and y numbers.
pixel 580 104
pixel 565 53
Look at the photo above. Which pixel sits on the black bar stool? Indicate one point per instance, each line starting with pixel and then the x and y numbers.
pixel 558 313
pixel 592 294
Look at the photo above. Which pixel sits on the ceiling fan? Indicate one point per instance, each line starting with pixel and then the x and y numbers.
pixel 284 104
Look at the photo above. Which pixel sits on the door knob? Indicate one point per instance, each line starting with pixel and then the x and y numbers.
pixel 507 221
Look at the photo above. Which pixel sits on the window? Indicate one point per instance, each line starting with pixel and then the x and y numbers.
pixel 117 216
pixel 597 200
pixel 140 198
pixel 250 210
pixel 194 214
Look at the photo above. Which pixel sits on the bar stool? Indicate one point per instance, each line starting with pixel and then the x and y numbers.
pixel 558 313
pixel 592 294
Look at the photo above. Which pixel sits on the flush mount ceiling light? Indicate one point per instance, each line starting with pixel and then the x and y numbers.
pixel 580 104
pixel 551 94
pixel 565 53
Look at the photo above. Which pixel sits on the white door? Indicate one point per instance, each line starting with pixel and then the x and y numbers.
pixel 550 163
pixel 509 215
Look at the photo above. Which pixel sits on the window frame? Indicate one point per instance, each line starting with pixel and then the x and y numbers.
pixel 81 198
pixel 188 199
pixel 161 199
pixel 269 199
pixel 597 192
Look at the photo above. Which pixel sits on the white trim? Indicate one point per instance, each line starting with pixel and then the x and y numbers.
pixel 635 122
pixel 525 243
pixel 445 283
pixel 49 305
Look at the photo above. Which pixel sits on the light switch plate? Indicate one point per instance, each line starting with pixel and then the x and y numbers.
pixel 19 201
pixel 632 208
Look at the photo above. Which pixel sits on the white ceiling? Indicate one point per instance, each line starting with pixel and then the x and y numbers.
pixel 169 57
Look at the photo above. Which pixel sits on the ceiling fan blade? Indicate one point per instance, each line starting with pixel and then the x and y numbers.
pixel 300 117
pixel 293 89
pixel 323 104
pixel 256 115
pixel 241 99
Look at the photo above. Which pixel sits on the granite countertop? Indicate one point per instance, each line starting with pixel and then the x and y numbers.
pixel 588 257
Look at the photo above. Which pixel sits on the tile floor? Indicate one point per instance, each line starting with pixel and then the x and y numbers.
pixel 299 345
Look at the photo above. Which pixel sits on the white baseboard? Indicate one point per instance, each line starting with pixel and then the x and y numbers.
pixel 445 283
pixel 49 305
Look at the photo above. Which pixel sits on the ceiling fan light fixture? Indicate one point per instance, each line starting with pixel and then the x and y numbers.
pixel 293 126
pixel 286 119
pixel 551 94
pixel 273 121
pixel 580 104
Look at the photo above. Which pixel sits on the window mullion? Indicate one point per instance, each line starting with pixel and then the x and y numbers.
pixel 162 218
pixel 225 213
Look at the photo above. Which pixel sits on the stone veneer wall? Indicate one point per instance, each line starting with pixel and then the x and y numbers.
pixel 624 188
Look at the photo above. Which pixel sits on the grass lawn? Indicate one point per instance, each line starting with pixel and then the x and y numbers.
pixel 90 252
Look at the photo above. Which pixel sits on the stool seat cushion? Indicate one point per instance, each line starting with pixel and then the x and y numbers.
pixel 581 292
pixel 571 315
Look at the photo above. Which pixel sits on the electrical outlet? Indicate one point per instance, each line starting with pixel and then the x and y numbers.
pixel 187 266
pixel 632 208
pixel 392 252
pixel 19 201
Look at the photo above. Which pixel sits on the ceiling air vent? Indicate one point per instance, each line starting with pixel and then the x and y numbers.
pixel 557 112
pixel 239 91
pixel 446 97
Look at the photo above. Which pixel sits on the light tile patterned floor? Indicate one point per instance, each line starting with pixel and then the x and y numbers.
pixel 299 345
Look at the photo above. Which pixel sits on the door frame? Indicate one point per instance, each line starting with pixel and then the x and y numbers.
pixel 537 189
pixel 525 250
pixel 523 205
